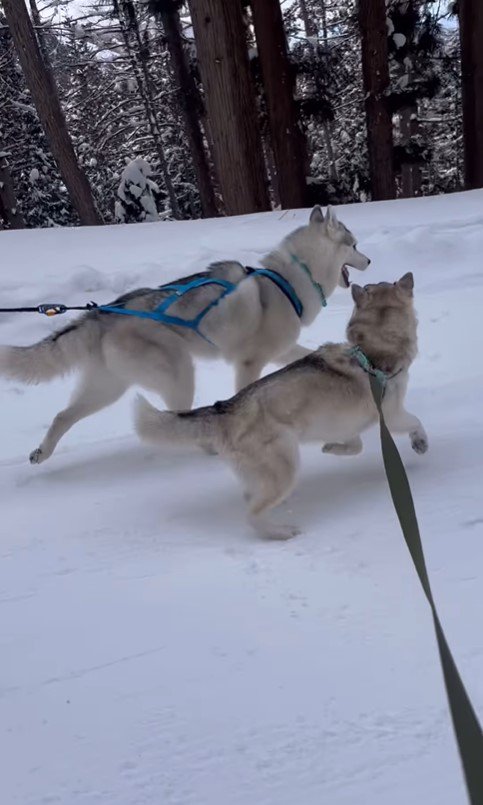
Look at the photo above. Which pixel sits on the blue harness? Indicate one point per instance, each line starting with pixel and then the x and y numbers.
pixel 178 290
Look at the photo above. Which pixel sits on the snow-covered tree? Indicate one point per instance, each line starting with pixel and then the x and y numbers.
pixel 136 194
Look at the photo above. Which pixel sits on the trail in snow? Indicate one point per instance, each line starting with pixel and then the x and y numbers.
pixel 152 649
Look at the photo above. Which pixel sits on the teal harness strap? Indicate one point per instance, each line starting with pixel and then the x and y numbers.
pixel 281 283
pixel 178 290
pixel 382 377
pixel 317 285
pixel 159 313
pixel 364 363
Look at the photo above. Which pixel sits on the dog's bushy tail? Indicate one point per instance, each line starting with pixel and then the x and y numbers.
pixel 54 356
pixel 198 427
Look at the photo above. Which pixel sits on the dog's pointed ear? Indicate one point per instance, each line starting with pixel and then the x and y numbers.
pixel 331 217
pixel 407 283
pixel 357 293
pixel 316 216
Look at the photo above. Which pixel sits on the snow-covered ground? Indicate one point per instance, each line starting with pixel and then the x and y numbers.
pixel 152 650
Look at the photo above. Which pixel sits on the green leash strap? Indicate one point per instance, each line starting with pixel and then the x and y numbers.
pixel 469 735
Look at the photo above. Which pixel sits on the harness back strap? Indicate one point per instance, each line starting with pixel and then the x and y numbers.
pixel 178 290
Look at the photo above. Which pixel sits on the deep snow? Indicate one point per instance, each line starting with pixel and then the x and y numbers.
pixel 152 650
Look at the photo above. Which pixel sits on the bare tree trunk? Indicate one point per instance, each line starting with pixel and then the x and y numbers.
pixel 190 102
pixel 37 20
pixel 9 211
pixel 44 94
pixel 410 171
pixel 471 37
pixel 288 141
pixel 307 19
pixel 230 102
pixel 375 69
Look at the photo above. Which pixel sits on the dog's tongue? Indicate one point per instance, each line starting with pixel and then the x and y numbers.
pixel 345 276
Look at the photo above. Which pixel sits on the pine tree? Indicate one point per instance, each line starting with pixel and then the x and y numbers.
pixel 137 194
pixel 41 195
pixel 10 215
pixel 413 37
pixel 44 94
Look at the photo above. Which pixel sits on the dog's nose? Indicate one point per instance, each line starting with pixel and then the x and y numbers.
pixel 368 261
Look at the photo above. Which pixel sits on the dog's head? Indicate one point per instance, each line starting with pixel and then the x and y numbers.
pixel 383 321
pixel 346 253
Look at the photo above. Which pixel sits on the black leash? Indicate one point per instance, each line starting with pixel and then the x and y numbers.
pixel 49 309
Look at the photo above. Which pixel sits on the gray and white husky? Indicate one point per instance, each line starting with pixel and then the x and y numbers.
pixel 253 325
pixel 325 396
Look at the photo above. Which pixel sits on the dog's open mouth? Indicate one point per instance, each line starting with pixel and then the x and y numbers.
pixel 345 276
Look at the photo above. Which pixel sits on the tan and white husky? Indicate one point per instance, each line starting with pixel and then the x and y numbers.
pixel 325 396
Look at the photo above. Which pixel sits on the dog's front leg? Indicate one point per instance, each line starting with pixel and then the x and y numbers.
pixel 246 372
pixel 401 421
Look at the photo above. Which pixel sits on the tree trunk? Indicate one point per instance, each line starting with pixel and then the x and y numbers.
pixel 471 37
pixel 307 19
pixel 190 103
pixel 37 20
pixel 375 70
pixel 44 95
pixel 410 171
pixel 230 102
pixel 288 142
pixel 9 211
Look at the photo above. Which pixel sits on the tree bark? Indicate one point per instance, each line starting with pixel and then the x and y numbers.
pixel 375 69
pixel 230 103
pixel 44 95
pixel 410 172
pixel 471 37
pixel 9 211
pixel 288 141
pixel 307 19
pixel 190 104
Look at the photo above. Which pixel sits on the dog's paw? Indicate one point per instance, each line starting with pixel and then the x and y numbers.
pixel 352 448
pixel 335 449
pixel 281 532
pixel 37 456
pixel 419 442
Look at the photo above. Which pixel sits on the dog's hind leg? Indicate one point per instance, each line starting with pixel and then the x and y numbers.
pixel 97 389
pixel 268 482
pixel 167 370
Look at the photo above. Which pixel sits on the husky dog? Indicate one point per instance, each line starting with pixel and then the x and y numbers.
pixel 325 396
pixel 254 324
